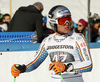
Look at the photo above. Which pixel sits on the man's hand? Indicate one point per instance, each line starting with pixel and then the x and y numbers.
pixel 17 69
pixel 57 67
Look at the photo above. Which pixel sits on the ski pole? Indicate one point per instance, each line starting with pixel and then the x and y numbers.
pixel 61 77
pixel 15 77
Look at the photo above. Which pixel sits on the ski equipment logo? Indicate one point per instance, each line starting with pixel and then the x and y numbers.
pixel 64 11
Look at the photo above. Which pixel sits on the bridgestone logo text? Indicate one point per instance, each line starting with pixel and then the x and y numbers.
pixel 60 47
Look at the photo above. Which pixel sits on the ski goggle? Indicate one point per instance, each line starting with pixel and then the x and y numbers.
pixel 64 20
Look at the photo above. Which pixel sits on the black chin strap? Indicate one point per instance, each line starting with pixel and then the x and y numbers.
pixel 60 32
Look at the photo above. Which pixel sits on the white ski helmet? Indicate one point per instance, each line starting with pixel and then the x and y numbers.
pixel 58 11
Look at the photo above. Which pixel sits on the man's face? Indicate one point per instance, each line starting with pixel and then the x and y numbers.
pixel 63 28
pixel 63 24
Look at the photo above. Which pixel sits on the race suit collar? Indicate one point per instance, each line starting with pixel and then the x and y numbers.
pixel 65 35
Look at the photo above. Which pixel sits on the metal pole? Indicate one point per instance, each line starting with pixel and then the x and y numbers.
pixel 89 29
pixel 10 4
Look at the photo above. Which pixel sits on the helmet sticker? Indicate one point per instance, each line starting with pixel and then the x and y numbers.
pixel 64 11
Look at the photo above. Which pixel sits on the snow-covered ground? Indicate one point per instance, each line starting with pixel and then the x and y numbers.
pixel 41 74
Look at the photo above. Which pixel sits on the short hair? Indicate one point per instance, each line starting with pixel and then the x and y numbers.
pixel 38 4
pixel 6 15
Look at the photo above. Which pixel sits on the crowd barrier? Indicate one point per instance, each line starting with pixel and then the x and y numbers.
pixel 16 37
pixel 21 41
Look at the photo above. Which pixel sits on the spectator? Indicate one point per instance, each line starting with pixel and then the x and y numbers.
pixel 95 30
pixel 3 26
pixel 28 19
pixel 6 18
pixel 82 28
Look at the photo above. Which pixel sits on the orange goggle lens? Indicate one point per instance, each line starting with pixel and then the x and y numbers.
pixel 61 21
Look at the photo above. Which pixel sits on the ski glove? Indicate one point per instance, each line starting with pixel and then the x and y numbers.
pixel 16 69
pixel 60 67
pixel 57 67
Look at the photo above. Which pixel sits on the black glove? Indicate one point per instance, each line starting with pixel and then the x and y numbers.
pixel 22 68
pixel 69 67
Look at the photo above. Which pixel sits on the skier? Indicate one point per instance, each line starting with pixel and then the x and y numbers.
pixel 68 51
